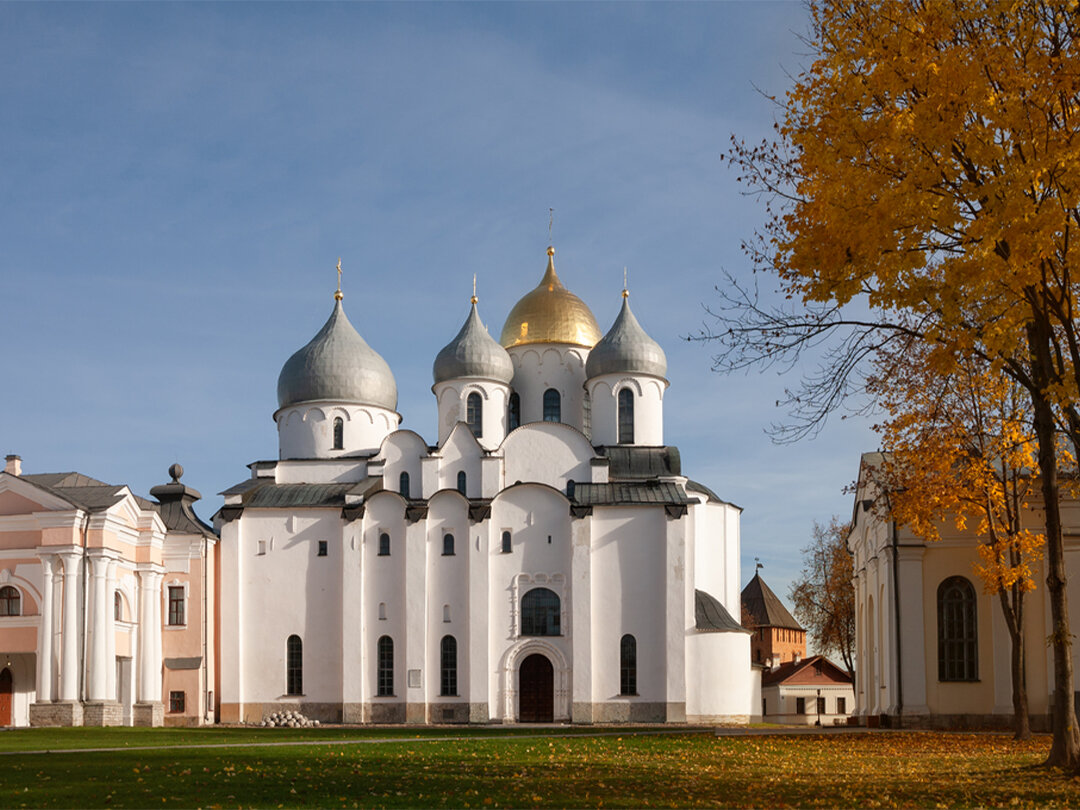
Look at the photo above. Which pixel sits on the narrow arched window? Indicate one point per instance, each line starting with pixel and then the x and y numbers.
pixel 10 601
pixel 540 613
pixel 586 415
pixel 474 414
pixel 958 645
pixel 448 666
pixel 462 480
pixel 513 412
pixel 384 545
pixel 384 656
pixel 294 666
pixel 403 485
pixel 339 433
pixel 507 546
pixel 552 406
pixel 448 545
pixel 117 606
pixel 626 416
pixel 628 665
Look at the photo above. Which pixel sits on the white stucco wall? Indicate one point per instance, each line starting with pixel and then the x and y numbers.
pixel 648 408
pixel 306 430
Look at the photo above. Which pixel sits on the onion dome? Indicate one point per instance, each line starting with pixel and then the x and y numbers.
pixel 339 366
pixel 550 314
pixel 473 353
pixel 626 349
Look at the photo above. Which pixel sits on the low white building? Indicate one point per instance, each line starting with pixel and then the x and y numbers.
pixel 806 691
pixel 546 559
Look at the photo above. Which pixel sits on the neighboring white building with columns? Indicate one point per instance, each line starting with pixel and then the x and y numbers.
pixel 545 560
pixel 82 606
pixel 932 647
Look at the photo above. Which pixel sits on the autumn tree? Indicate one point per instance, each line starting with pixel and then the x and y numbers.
pixel 822 596
pixel 961 451
pixel 925 184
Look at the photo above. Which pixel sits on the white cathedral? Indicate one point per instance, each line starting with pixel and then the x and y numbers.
pixel 545 560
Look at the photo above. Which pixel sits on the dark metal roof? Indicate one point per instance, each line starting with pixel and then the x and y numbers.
pixel 623 493
pixel 81 490
pixel 711 616
pixel 176 506
pixel 765 608
pixel 694 486
pixel 266 494
pixel 183 663
pixel 641 462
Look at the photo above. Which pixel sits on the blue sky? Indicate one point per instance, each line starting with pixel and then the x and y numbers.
pixel 180 179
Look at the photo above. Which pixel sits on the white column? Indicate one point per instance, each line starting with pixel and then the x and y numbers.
pixel 45 633
pixel 110 631
pixel 98 690
pixel 69 657
pixel 155 650
pixel 149 637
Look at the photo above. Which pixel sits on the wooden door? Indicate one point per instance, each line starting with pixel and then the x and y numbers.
pixel 536 690
pixel 5 697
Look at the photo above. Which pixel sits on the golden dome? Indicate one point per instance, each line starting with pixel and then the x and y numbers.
pixel 550 314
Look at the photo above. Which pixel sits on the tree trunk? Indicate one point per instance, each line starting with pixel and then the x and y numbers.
pixel 1065 748
pixel 1014 621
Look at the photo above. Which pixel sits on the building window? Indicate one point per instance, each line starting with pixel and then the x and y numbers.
pixel 462 480
pixel 448 666
pixel 446 613
pixel 958 648
pixel 507 545
pixel 322 548
pixel 385 662
pixel 513 412
pixel 448 545
pixel 403 485
pixel 176 702
pixel 628 665
pixel 800 705
pixel 10 601
pixel 586 415
pixel 552 406
pixel 384 545
pixel 382 610
pixel 176 604
pixel 294 666
pixel 117 606
pixel 821 705
pixel 626 416
pixel 841 705
pixel 474 414
pixel 339 433
pixel 540 613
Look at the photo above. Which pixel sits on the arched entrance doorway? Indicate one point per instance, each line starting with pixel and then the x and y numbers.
pixel 536 690
pixel 5 697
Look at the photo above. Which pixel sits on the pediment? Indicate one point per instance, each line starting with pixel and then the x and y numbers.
pixel 19 497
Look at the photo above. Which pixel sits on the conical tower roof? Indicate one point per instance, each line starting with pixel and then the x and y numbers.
pixel 765 607
pixel 473 353
pixel 626 349
pixel 550 313
pixel 337 365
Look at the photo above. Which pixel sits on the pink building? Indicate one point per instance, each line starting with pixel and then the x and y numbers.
pixel 105 614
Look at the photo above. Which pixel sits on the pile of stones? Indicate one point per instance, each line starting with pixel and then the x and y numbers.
pixel 288 720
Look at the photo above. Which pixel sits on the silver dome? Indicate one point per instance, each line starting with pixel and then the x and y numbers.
pixel 473 353
pixel 626 349
pixel 337 365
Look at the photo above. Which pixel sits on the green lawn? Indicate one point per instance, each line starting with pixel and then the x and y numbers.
pixel 490 768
